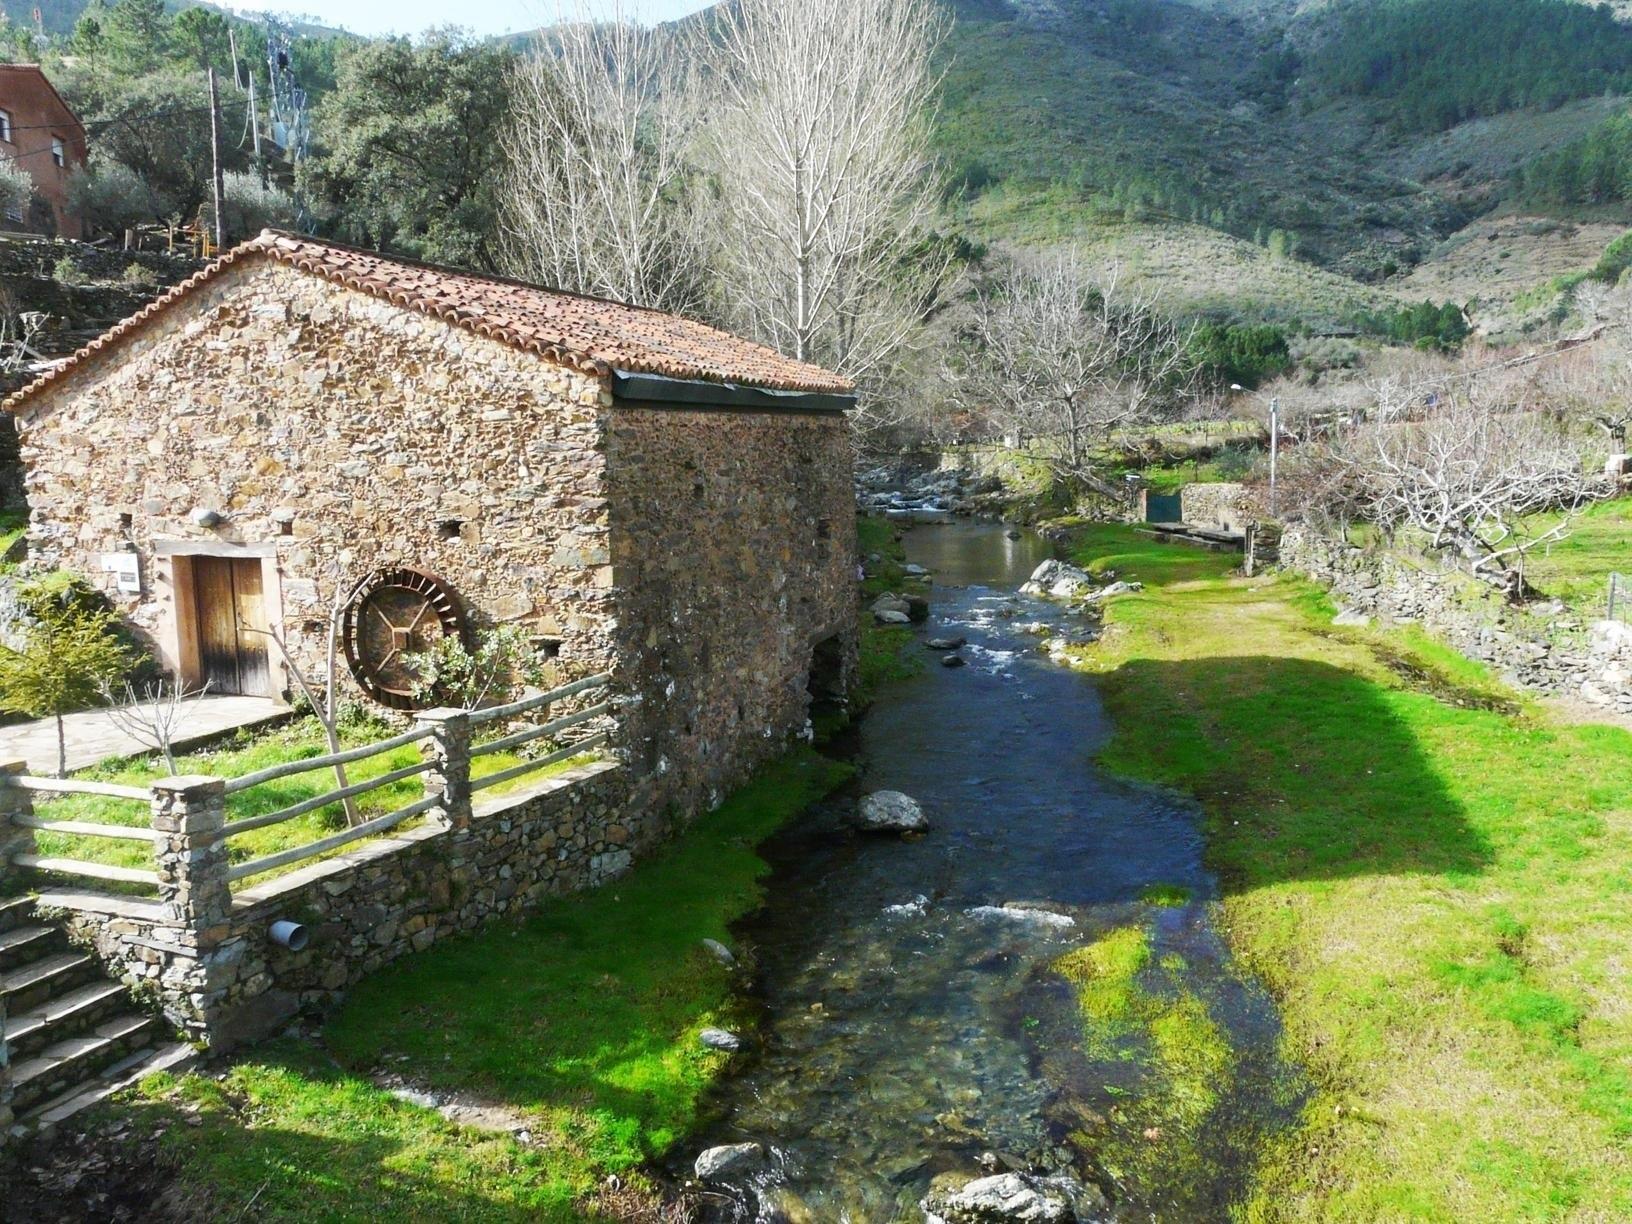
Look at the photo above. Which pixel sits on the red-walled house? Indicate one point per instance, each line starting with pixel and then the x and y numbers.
pixel 39 133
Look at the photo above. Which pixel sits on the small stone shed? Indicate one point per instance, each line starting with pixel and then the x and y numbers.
pixel 303 424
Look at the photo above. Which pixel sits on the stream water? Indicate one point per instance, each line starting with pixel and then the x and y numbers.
pixel 913 1026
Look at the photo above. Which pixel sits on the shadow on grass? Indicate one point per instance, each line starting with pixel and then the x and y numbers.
pixel 1307 771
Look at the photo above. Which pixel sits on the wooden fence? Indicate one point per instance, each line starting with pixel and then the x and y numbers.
pixel 448 747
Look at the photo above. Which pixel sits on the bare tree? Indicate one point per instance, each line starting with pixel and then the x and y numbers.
pixel 153 716
pixel 600 196
pixel 325 704
pixel 821 143
pixel 1468 478
pixel 1064 355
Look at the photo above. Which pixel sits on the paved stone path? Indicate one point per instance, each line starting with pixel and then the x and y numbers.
pixel 92 736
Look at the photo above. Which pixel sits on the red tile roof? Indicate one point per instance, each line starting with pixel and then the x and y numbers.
pixel 590 334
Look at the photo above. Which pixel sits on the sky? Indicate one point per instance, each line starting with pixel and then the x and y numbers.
pixel 482 16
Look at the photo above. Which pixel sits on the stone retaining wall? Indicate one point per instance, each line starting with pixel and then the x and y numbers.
pixel 1549 651
pixel 1219 505
pixel 206 955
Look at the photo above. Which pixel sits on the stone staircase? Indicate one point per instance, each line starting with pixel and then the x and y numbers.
pixel 75 1035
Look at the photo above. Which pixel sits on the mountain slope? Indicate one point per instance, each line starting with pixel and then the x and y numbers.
pixel 1250 117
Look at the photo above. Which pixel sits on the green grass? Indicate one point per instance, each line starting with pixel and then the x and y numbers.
pixel 247 753
pixel 1436 892
pixel 886 656
pixel 1576 569
pixel 13 524
pixel 579 1022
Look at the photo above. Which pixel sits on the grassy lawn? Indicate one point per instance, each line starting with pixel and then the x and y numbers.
pixel 1431 876
pixel 247 753
pixel 580 1021
pixel 1576 569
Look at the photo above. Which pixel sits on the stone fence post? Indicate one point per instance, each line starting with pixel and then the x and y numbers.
pixel 14 839
pixel 188 815
pixel 448 778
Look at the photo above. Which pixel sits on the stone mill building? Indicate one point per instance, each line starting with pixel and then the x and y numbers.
pixel 304 425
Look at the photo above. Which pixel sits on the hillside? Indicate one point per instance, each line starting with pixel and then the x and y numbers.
pixel 1255 119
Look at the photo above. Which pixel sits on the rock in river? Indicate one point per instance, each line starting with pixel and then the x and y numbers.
pixel 1058 580
pixel 890 812
pixel 952 660
pixel 719 1039
pixel 947 643
pixel 720 952
pixel 1015 1198
pixel 728 1160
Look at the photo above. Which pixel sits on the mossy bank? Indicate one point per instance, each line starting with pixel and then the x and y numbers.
pixel 1432 884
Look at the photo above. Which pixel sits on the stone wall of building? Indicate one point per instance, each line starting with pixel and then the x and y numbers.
pixel 1223 506
pixel 734 549
pixel 1546 649
pixel 336 434
pixel 206 954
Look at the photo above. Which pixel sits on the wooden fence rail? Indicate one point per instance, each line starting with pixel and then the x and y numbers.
pixel 446 736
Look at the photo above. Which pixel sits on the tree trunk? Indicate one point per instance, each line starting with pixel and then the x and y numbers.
pixel 62 748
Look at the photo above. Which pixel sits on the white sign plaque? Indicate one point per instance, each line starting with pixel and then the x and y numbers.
pixel 127 570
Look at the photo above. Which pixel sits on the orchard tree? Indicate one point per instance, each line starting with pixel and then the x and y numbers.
pixel 1064 353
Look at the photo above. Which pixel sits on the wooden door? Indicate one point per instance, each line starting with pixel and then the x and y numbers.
pixel 227 594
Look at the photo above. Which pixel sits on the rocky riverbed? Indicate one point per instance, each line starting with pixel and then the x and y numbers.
pixel 922 1055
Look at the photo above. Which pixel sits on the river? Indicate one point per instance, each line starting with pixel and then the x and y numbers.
pixel 911 1025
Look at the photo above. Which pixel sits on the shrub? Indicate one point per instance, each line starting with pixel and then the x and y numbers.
pixel 16 191
pixel 140 275
pixel 249 207
pixel 66 272
pixel 110 196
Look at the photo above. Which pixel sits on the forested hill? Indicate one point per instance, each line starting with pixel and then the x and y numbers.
pixel 1322 152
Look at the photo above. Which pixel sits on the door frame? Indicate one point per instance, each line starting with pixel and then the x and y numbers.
pixel 175 564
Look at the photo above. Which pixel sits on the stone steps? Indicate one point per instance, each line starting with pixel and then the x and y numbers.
pixel 36 982
pixel 16 912
pixel 173 1057
pixel 24 944
pixel 31 1031
pixel 74 1036
pixel 68 1063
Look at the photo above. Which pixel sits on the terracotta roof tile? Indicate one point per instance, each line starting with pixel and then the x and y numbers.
pixel 590 334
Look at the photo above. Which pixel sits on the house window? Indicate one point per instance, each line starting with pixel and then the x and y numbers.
pixel 59 151
pixel 6 132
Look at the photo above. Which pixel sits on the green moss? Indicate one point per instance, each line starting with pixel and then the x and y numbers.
pixel 1105 974
pixel 1170 896
pixel 580 1022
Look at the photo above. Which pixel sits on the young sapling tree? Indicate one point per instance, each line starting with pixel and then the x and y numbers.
pixel 70 653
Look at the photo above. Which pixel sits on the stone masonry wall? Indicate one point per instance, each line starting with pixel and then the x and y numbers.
pixel 210 962
pixel 339 434
pixel 733 543
pixel 1220 505
pixel 1547 651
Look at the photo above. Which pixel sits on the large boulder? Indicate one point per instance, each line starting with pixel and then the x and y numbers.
pixel 1114 589
pixel 1058 580
pixel 890 812
pixel 1015 1198
pixel 728 1160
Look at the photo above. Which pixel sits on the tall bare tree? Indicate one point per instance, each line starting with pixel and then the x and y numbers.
pixel 599 194
pixel 1062 354
pixel 820 138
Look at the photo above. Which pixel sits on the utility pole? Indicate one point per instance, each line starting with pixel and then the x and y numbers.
pixel 217 185
pixel 1274 446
